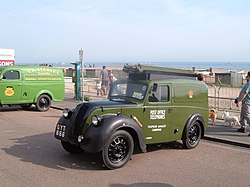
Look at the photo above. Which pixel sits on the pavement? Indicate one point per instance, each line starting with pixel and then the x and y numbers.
pixel 217 133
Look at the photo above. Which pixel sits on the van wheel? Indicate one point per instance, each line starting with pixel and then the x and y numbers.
pixel 192 135
pixel 118 150
pixel 43 103
pixel 71 148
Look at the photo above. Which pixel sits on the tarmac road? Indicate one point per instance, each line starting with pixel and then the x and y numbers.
pixel 31 156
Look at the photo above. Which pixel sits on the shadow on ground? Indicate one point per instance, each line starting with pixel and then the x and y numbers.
pixel 45 150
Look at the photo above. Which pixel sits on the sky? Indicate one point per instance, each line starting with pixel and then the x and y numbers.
pixel 46 31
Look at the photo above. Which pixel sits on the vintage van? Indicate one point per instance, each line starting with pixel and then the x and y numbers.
pixel 152 106
pixel 27 85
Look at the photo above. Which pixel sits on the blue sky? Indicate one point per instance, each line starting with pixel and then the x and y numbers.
pixel 46 31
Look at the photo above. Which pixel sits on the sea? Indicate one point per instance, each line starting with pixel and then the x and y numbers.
pixel 233 66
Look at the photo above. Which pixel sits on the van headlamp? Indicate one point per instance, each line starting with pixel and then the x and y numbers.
pixel 67 112
pixel 96 120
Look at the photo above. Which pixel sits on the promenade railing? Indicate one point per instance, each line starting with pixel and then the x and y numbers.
pixel 222 98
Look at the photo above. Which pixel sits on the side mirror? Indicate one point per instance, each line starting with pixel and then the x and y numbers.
pixel 154 87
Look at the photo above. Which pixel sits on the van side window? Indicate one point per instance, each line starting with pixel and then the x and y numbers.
pixel 11 75
pixel 161 95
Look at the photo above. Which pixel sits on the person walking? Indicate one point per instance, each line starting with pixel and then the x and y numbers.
pixel 244 98
pixel 104 77
pixel 111 78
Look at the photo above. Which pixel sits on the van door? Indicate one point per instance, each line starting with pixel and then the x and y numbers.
pixel 157 117
pixel 10 87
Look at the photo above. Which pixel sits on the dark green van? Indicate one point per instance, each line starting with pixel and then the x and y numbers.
pixel 27 85
pixel 150 107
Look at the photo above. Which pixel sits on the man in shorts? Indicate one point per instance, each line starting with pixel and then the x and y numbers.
pixel 104 77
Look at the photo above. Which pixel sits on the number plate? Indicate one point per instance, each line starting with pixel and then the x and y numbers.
pixel 60 130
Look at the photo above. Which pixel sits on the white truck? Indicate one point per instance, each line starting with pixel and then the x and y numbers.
pixel 7 57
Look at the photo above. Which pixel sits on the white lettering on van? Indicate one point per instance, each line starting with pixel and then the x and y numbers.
pixel 156 128
pixel 157 114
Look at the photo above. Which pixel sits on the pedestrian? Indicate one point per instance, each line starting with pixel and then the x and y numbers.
pixel 99 87
pixel 111 78
pixel 104 77
pixel 244 98
pixel 200 77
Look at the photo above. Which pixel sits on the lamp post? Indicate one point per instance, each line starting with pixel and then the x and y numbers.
pixel 81 60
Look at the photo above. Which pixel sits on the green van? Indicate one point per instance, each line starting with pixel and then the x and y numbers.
pixel 27 85
pixel 152 106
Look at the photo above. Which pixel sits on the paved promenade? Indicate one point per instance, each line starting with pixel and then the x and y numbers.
pixel 218 133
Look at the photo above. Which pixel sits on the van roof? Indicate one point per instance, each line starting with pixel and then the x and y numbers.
pixel 179 81
pixel 137 72
pixel 169 81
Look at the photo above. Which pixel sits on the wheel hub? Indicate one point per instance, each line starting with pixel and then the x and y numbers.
pixel 118 149
pixel 193 134
pixel 43 102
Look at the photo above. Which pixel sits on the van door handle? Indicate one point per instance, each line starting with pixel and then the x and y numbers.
pixel 170 110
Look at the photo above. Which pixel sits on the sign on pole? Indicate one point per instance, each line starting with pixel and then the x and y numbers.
pixel 7 57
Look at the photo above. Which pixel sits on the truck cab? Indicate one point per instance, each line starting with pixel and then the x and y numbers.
pixel 148 107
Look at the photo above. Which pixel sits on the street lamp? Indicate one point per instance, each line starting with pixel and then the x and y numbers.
pixel 81 60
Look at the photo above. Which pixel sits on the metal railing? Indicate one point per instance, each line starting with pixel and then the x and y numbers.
pixel 222 98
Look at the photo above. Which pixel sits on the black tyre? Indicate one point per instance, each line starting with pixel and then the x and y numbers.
pixel 118 150
pixel 43 103
pixel 192 135
pixel 71 148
